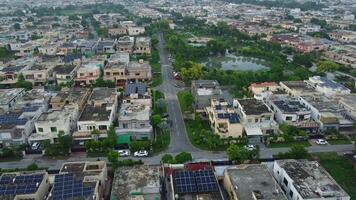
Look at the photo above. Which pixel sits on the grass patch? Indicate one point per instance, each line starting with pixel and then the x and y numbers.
pixel 162 142
pixel 288 144
pixel 341 141
pixel 97 154
pixel 185 99
pixel 10 159
pixel 340 168
pixel 353 137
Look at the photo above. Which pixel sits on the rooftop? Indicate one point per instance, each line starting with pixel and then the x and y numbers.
pixel 253 106
pixel 95 113
pixel 141 179
pixel 264 84
pixel 205 83
pixel 130 111
pixel 64 69
pixel 255 179
pixel 103 93
pixel 299 86
pixel 55 115
pixel 135 88
pixel 6 95
pixel 310 179
pixel 289 105
pixel 323 104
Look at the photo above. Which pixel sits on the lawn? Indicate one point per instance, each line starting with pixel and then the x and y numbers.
pixel 340 168
pixel 185 100
pixel 97 154
pixel 288 144
pixel 340 141
pixel 353 137
pixel 161 142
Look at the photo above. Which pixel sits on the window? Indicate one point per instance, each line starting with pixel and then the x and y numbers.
pixel 137 74
pixel 40 130
pixel 53 129
pixel 102 127
pixel 108 73
pixel 142 125
pixel 124 125
pixel 256 120
pixel 289 118
pixel 285 181
pixel 291 193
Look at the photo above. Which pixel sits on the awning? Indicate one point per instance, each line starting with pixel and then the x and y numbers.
pixel 123 139
pixel 253 131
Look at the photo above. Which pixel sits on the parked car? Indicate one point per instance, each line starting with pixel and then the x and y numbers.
pixel 35 146
pixel 141 153
pixel 123 153
pixel 321 141
pixel 250 147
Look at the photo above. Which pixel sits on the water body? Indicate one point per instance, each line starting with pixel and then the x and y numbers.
pixel 234 62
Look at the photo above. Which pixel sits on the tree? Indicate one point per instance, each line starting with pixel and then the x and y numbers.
pixel 113 158
pixel 303 59
pixel 17 26
pixel 100 82
pixel 167 158
pixel 32 167
pixel 155 120
pixel 327 66
pixel 140 145
pixel 96 134
pixel 295 152
pixel 183 157
pixel 161 105
pixel 73 17
pixel 238 154
pixel 191 71
pixel 21 83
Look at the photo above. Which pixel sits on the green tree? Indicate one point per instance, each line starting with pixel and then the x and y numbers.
pixel 140 145
pixel 161 105
pixel 238 154
pixel 167 158
pixel 21 83
pixel 100 82
pixel 303 59
pixel 32 167
pixel 183 157
pixel 156 120
pixel 17 26
pixel 96 134
pixel 327 66
pixel 191 71
pixel 113 158
pixel 295 152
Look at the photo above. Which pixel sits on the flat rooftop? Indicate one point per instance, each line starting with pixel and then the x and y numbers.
pixel 137 111
pixel 55 115
pixel 309 178
pixel 141 179
pixel 6 95
pixel 323 104
pixel 95 113
pixel 205 83
pixel 63 69
pixel 299 86
pixel 253 106
pixel 289 105
pixel 255 178
pixel 102 93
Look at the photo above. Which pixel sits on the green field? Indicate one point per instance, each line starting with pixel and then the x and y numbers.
pixel 288 144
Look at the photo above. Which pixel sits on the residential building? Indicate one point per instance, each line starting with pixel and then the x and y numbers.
pixel 297 88
pixel 258 88
pixel 48 49
pixel 137 182
pixel 73 97
pixel 328 87
pixel 142 45
pixel 116 72
pixel 303 179
pixel 87 74
pixel 291 111
pixel 106 46
pixel 327 112
pixel 224 119
pixel 119 31
pixel 64 73
pixel 134 120
pixel 309 28
pixel 24 185
pixel 125 44
pixel 251 182
pixel 9 97
pixel 135 30
pixel 256 117
pixel 38 74
pixel 139 71
pixel 137 93
pixel 119 58
pixel 203 92
pixel 348 102
pixel 100 112
pixel 80 180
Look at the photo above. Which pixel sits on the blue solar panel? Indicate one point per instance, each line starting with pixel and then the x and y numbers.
pixel 67 187
pixel 191 182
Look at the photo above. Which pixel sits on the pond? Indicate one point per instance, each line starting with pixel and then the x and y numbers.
pixel 234 62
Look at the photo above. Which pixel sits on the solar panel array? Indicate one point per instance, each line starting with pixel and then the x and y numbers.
pixel 16 185
pixel 67 187
pixel 202 181
pixel 135 88
pixel 12 119
pixel 233 117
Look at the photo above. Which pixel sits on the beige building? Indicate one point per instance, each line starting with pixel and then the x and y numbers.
pixel 297 88
pixel 76 97
pixel 87 74
pixel 223 119
pixel 142 45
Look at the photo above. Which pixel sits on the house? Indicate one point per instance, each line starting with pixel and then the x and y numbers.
pixel 142 45
pixel 100 111
pixel 256 117
pixel 135 30
pixel 9 97
pixel 106 46
pixel 291 111
pixel 252 182
pixel 327 112
pixel 224 120
pixel 203 92
pixel 64 73
pixel 303 179
pixel 38 74
pixel 137 93
pixel 48 49
pixel 134 120
pixel 297 88
pixel 125 44
pixel 116 72
pixel 87 74
pixel 309 28
pixel 54 122
pixel 24 185
pixel 262 90
pixel 66 48
pixel 139 71
pixel 327 87
pixel 80 180
pixel 120 30
pixel 348 102
pixel 137 182
pixel 119 58
pixel 73 97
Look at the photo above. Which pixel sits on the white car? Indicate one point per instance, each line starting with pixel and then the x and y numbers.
pixel 321 141
pixel 250 147
pixel 123 153
pixel 141 153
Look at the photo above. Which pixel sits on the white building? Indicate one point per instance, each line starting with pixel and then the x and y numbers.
pixel 9 97
pixel 328 87
pixel 306 180
pixel 135 30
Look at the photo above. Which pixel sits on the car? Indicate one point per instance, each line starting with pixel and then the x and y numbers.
pixel 321 141
pixel 35 145
pixel 250 147
pixel 124 153
pixel 141 153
